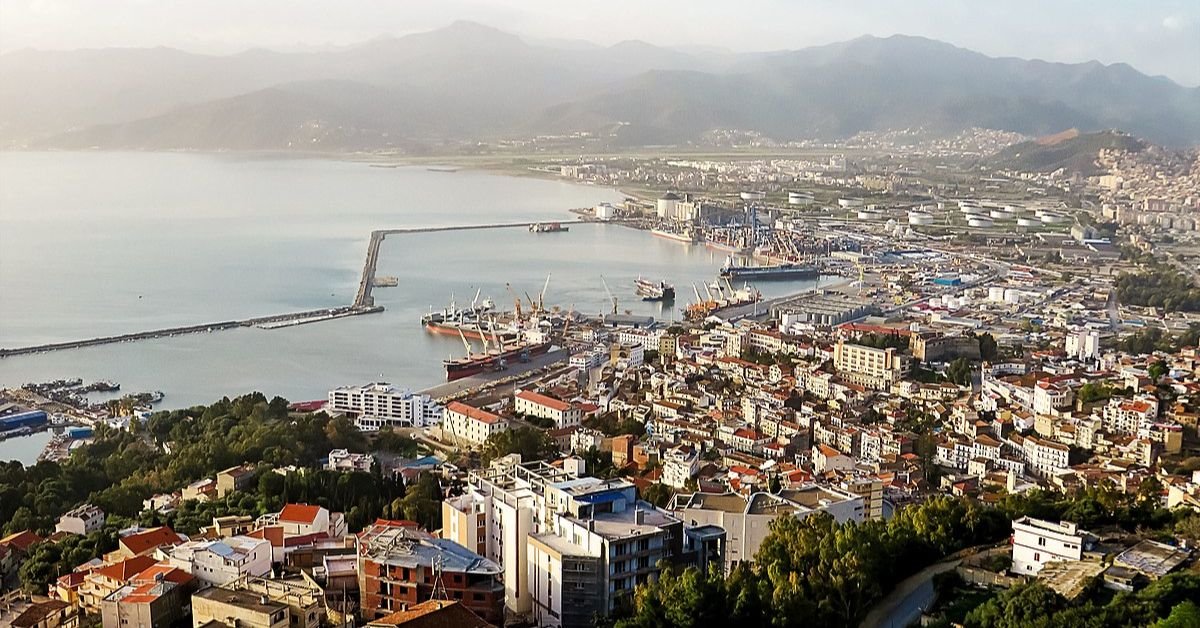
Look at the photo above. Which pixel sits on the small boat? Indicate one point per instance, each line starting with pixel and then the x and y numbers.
pixel 654 290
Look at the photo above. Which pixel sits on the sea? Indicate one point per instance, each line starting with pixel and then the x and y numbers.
pixel 102 243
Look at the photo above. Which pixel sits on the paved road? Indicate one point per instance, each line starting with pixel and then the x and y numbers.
pixel 905 604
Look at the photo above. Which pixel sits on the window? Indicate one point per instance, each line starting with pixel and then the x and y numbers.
pixel 1042 541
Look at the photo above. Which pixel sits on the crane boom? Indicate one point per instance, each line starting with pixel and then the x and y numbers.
pixel 542 296
pixel 610 294
pixel 465 343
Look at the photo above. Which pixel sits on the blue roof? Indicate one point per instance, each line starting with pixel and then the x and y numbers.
pixel 603 498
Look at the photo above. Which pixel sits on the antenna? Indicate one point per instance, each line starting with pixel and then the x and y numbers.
pixel 439 587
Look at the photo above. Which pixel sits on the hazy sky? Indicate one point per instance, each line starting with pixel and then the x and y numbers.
pixel 1155 36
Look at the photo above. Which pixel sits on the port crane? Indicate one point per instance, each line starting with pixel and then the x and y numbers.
pixel 542 296
pixel 466 344
pixel 610 294
pixel 516 301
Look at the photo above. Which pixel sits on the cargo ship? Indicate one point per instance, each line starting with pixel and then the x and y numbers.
pixel 468 321
pixel 548 227
pixel 768 272
pixel 654 290
pixel 494 360
pixel 671 235
pixel 717 297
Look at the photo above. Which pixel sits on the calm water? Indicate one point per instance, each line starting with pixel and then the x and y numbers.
pixel 24 449
pixel 102 243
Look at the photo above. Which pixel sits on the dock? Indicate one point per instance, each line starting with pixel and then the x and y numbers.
pixel 364 302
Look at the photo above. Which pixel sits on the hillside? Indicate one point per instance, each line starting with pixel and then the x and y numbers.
pixel 469 81
pixel 1072 150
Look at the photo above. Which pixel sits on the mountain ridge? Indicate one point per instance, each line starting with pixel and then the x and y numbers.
pixel 472 81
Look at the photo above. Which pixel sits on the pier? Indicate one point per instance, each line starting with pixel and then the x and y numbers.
pixel 364 302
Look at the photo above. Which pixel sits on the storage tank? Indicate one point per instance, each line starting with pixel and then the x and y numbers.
pixel 1012 296
pixel 666 205
pixel 980 221
pixel 920 218
pixel 999 213
pixel 1053 219
pixel 849 201
pixel 751 195
pixel 1028 222
pixel 869 214
pixel 800 198
pixel 996 294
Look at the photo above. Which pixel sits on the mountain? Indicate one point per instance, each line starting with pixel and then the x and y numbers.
pixel 470 81
pixel 1072 150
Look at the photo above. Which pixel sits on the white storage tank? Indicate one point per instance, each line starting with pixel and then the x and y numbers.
pixel 800 198
pixel 980 221
pixel 605 211
pixel 999 213
pixel 920 218
pixel 1053 219
pixel 750 195
pixel 1012 296
pixel 666 205
pixel 1028 222
pixel 849 201
pixel 996 294
pixel 869 214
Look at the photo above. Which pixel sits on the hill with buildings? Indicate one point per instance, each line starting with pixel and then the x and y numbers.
pixel 1070 150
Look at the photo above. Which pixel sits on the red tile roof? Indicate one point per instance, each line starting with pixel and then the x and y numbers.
pixel 126 569
pixel 433 614
pixel 21 540
pixel 543 400
pixel 471 412
pixel 143 542
pixel 299 513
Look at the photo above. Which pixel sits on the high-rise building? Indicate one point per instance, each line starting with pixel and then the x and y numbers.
pixel 379 405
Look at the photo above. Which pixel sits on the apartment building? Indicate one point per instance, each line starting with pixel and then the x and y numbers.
pixel 470 425
pixel 400 566
pixel 237 608
pixel 534 404
pixel 220 562
pixel 380 404
pixel 1128 416
pixel 680 464
pixel 154 598
pixel 866 366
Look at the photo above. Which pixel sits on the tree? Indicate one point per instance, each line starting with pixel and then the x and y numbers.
pixel 530 443
pixel 988 349
pixel 1184 615
pixel 1157 370
pixel 658 494
pixel 422 501
pixel 960 372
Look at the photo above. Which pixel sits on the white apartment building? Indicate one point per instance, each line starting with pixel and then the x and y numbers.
pixel 1048 397
pixel 83 519
pixel 464 423
pixel 1037 542
pixel 1083 344
pixel 1127 416
pixel 220 562
pixel 867 366
pixel 563 414
pixel 508 503
pixel 1044 457
pixel 680 464
pixel 380 404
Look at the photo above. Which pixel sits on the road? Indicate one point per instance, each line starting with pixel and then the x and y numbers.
pixel 905 604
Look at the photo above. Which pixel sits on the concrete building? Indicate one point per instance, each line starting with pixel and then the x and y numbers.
pixel 237 608
pixel 747 520
pixel 680 464
pixel 470 425
pixel 399 566
pixel 563 414
pixel 223 561
pixel 380 404
pixel 1037 542
pixel 83 519
pixel 344 460
pixel 874 368
pixel 233 479
pixel 154 598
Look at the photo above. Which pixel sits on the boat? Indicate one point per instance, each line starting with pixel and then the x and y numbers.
pixel 467 321
pixel 496 359
pixel 717 298
pixel 654 290
pixel 671 235
pixel 767 272
pixel 548 227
